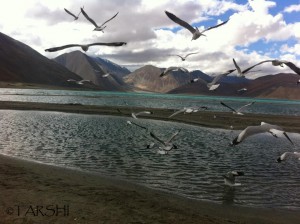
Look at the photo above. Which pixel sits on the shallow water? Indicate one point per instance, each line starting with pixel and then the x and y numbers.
pixel 106 145
pixel 152 100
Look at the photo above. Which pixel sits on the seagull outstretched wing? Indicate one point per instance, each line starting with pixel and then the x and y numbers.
pixel 88 18
pixel 180 22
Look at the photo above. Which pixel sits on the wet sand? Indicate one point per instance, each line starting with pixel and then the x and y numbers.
pixel 38 193
pixel 202 118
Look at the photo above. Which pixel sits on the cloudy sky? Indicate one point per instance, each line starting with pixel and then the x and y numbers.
pixel 257 30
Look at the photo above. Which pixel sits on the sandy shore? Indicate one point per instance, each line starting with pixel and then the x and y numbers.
pixel 202 118
pixel 39 193
pixel 31 191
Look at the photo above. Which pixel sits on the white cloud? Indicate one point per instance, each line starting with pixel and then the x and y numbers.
pixel 295 50
pixel 146 28
pixel 292 8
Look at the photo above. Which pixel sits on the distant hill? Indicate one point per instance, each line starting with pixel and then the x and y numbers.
pixel 147 78
pixel 20 63
pixel 282 86
pixel 93 68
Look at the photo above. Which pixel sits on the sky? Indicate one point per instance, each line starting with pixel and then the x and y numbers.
pixel 257 30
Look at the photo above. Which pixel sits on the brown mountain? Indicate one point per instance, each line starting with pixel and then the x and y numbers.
pixel 281 86
pixel 20 63
pixel 90 68
pixel 147 79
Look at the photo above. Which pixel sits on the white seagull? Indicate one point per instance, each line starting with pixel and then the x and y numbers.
pixel 212 85
pixel 188 110
pixel 183 58
pixel 134 115
pixel 242 90
pixel 238 111
pixel 275 130
pixel 75 17
pixel 85 47
pixel 247 70
pixel 196 33
pixel 167 145
pixel 133 123
pixel 106 75
pixel 292 154
pixel 173 68
pixel 229 178
pixel 97 28
pixel 81 82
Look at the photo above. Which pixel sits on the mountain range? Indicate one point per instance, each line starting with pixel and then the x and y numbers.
pixel 21 64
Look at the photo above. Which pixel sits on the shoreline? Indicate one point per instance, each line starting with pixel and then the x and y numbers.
pixel 28 187
pixel 202 118
pixel 92 198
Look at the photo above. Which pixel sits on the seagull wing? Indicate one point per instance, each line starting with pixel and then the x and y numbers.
pixel 237 67
pixel 228 107
pixel 143 112
pixel 212 27
pixel 182 58
pixel 173 136
pixel 248 69
pixel 180 22
pixel 67 11
pixel 218 77
pixel 88 18
pixel 293 67
pixel 249 131
pixel 62 47
pixel 191 54
pixel 138 125
pixel 156 138
pixel 177 112
pixel 245 106
pixel 111 44
pixel 110 19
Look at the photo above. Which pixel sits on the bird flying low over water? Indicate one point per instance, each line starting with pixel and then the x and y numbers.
pixel 173 68
pixel 183 58
pixel 212 85
pixel 75 17
pixel 275 130
pixel 133 123
pixel 97 28
pixel 196 33
pixel 81 82
pixel 188 110
pixel 229 178
pixel 85 47
pixel 288 154
pixel 167 145
pixel 134 115
pixel 238 111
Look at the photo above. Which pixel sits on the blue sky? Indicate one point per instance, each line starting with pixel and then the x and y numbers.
pixel 257 30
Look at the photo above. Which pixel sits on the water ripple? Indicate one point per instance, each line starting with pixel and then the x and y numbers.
pixel 106 145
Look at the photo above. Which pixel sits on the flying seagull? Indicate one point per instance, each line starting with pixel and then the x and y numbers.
pixel 75 17
pixel 81 82
pixel 183 58
pixel 188 110
pixel 247 70
pixel 196 33
pixel 85 47
pixel 133 123
pixel 275 62
pixel 173 68
pixel 238 111
pixel 212 85
pixel 284 155
pixel 242 90
pixel 229 178
pixel 97 28
pixel 167 145
pixel 275 130
pixel 134 115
